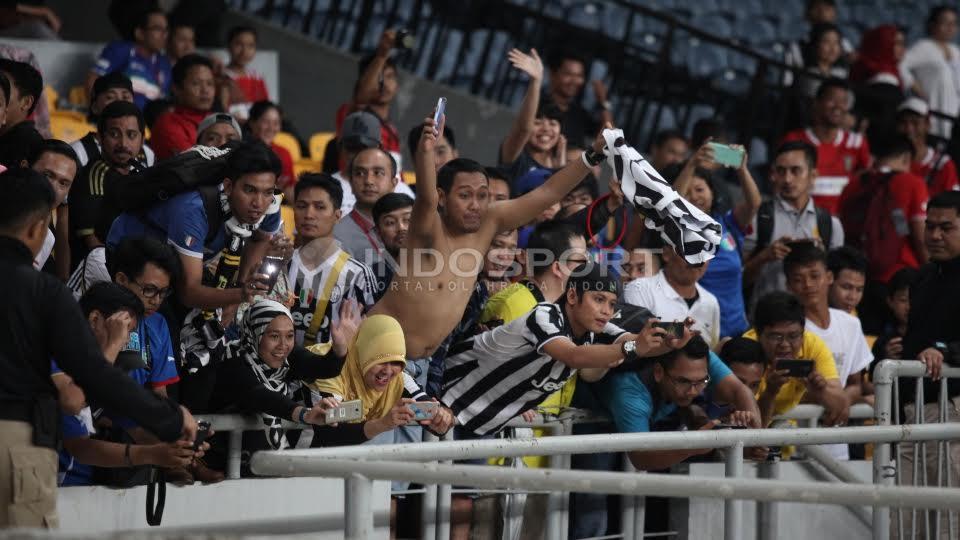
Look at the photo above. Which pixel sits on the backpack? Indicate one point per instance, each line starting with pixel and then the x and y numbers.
pixel 884 231
pixel 765 225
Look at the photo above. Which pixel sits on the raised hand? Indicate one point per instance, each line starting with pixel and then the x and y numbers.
pixel 345 329
pixel 527 63
pixel 650 338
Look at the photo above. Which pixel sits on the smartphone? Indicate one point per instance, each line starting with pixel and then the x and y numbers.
pixel 270 267
pixel 729 426
pixel 203 432
pixel 348 411
pixel 674 329
pixel 441 110
pixel 795 368
pixel 726 155
pixel 423 410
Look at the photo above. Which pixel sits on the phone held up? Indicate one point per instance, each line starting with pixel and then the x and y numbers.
pixel 348 411
pixel 270 267
pixel 438 114
pixel 727 155
pixel 795 368
pixel 673 329
pixel 203 433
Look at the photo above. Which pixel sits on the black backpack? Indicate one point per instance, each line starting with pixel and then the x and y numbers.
pixel 765 225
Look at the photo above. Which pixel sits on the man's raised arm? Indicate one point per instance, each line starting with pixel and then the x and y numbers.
pixel 424 212
pixel 517 212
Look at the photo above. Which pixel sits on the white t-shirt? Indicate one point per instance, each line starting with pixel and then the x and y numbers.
pixel 657 295
pixel 850 351
pixel 45 251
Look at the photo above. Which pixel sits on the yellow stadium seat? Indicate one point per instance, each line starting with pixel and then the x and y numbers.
pixel 51 96
pixel 305 165
pixel 286 215
pixel 69 126
pixel 288 141
pixel 78 97
pixel 409 177
pixel 318 144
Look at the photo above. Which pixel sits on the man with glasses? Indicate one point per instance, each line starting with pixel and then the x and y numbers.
pixel 141 59
pixel 779 328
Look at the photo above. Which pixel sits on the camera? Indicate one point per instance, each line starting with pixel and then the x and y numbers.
pixel 404 40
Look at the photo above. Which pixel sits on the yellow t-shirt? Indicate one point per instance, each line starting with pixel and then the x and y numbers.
pixel 791 393
pixel 508 305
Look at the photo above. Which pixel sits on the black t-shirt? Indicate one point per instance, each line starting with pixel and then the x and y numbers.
pixel 18 143
pixel 577 124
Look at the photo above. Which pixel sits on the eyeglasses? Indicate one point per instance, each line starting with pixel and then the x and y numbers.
pixel 685 384
pixel 151 291
pixel 793 337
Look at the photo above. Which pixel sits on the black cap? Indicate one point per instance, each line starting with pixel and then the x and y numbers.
pixel 593 276
pixel 108 81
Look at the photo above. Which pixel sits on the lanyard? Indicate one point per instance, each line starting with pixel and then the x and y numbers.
pixel 366 228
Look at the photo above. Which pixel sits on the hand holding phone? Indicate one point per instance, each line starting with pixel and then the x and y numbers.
pixel 423 410
pixel 726 155
pixel 438 115
pixel 203 432
pixel 800 369
pixel 673 329
pixel 270 268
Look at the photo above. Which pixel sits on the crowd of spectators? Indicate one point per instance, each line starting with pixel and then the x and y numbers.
pixel 179 263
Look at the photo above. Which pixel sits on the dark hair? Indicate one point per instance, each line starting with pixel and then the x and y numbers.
pixel 556 60
pixel 945 200
pixel 237 30
pixel 5 87
pixel 590 276
pixel 388 203
pixel 903 279
pixel 119 109
pixel 322 181
pixel 368 59
pixel 695 349
pixel 260 108
pixel 133 253
pixel 935 13
pixel 706 128
pixel 891 145
pixel 252 157
pixel 803 255
pixel 589 183
pixel 551 237
pixel 53 146
pixel 741 350
pixel 452 168
pixel 143 17
pixel 816 34
pixel 26 78
pixel 496 173
pixel 809 151
pixel 393 160
pixel 109 298
pixel 665 135
pixel 832 82
pixel 27 194
pixel 179 22
pixel 846 258
pixel 183 65
pixel 550 111
pixel 413 138
pixel 777 307
pixel 155 109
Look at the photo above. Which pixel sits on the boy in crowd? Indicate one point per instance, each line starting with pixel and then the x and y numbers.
pixel 106 89
pixel 373 174
pixel 194 92
pixel 248 86
pixel 669 147
pixel 18 135
pixel 849 269
pixel 779 327
pixel 182 40
pixel 142 60
pixel 809 279
pixel 320 273
pixel 217 130
pixel 58 162
pixel 934 165
pixel 391 215
pixel 446 149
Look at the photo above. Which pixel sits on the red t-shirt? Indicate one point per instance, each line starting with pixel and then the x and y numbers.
pixel 175 131
pixel 287 176
pixel 944 176
pixel 252 88
pixel 836 161
pixel 907 194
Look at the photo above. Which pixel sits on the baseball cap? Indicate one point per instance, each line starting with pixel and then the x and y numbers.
pixel 593 277
pixel 218 118
pixel 361 129
pixel 914 105
pixel 115 79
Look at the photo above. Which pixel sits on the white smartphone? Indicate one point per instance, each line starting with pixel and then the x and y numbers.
pixel 423 410
pixel 348 411
pixel 441 110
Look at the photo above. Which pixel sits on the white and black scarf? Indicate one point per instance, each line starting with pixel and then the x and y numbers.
pixel 247 349
pixel 692 234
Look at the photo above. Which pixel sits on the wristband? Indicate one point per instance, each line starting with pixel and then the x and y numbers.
pixel 303 414
pixel 126 456
pixel 592 158
pixel 942 347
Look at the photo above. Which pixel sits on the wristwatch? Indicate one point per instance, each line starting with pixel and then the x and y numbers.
pixel 628 347
pixel 592 158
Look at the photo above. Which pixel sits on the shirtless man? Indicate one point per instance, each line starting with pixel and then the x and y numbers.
pixel 451 228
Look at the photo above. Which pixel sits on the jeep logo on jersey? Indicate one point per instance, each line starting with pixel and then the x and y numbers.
pixel 546 385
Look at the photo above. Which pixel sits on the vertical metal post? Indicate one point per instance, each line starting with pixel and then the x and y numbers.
pixel 444 502
pixel 566 428
pixel 767 511
pixel 428 510
pixel 234 451
pixel 554 498
pixel 628 509
pixel 358 508
pixel 884 470
pixel 733 508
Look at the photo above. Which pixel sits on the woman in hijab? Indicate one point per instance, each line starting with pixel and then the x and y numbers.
pixel 373 373
pixel 878 82
pixel 262 373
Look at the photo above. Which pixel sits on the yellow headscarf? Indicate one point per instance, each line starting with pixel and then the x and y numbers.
pixel 379 341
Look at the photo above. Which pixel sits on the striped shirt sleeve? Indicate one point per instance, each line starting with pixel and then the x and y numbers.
pixel 545 322
pixel 412 390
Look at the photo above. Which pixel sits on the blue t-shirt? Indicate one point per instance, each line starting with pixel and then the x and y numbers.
pixel 724 278
pixel 151 76
pixel 185 221
pixel 69 471
pixel 152 340
pixel 630 404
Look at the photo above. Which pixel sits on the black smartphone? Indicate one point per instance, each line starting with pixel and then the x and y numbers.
pixel 674 329
pixel 795 368
pixel 729 426
pixel 802 243
pixel 203 432
pixel 270 267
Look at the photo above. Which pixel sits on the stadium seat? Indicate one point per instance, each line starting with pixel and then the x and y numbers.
pixel 731 81
pixel 706 59
pixel 305 165
pixel 698 112
pixel 587 15
pixel 78 97
pixel 52 96
pixel 289 142
pixel 286 217
pixel 409 177
pixel 68 125
pixel 318 144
